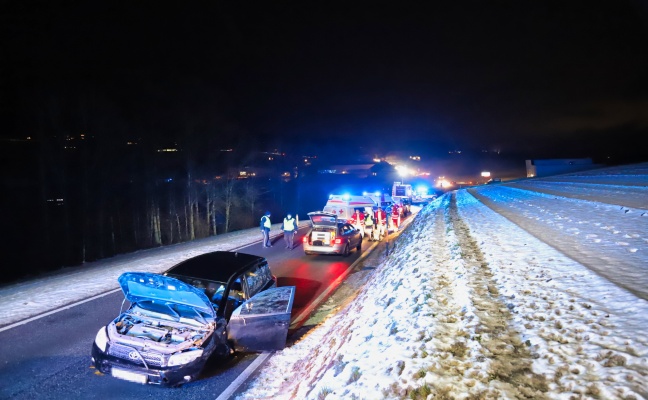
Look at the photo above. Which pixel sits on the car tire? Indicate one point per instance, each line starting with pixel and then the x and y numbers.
pixel 346 250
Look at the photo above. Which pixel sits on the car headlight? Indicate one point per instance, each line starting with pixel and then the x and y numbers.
pixel 102 339
pixel 184 358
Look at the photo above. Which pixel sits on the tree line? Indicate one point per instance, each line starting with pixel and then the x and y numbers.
pixel 88 198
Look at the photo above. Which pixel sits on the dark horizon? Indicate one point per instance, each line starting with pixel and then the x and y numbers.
pixel 547 80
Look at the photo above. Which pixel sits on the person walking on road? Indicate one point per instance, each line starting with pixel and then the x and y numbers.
pixel 289 227
pixel 265 229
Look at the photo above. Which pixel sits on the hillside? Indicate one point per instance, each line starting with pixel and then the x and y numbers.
pixel 476 304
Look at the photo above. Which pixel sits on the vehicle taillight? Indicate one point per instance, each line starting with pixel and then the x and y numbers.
pixel 338 241
pixel 305 239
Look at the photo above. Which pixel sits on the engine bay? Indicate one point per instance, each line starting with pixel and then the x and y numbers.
pixel 165 332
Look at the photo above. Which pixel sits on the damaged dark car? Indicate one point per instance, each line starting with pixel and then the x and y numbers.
pixel 210 305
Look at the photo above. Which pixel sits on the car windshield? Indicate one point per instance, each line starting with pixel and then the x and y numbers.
pixel 212 289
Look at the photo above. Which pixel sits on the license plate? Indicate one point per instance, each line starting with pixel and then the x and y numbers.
pixel 129 376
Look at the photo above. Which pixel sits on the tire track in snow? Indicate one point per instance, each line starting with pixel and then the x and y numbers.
pixel 502 345
pixel 607 251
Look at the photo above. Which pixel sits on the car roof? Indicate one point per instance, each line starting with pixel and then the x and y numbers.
pixel 216 266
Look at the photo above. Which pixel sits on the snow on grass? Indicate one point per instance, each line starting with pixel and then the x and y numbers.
pixel 469 305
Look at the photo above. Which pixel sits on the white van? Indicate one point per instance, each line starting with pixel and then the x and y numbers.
pixel 383 200
pixel 343 206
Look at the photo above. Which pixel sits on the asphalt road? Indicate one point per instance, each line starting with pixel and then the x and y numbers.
pixel 49 358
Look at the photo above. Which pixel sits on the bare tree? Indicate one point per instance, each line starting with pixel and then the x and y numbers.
pixel 250 195
pixel 225 197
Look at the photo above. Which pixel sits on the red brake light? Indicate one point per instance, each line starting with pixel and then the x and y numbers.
pixel 305 239
pixel 338 241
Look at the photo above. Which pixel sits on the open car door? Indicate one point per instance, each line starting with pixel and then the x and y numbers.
pixel 261 323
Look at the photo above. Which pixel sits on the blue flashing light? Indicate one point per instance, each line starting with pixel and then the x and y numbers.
pixel 377 194
pixel 346 196
pixel 421 189
pixel 365 193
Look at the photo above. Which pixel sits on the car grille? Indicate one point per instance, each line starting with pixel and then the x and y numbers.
pixel 130 354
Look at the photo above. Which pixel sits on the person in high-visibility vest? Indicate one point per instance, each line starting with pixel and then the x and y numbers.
pixel 265 229
pixel 380 217
pixel 369 225
pixel 396 217
pixel 289 227
pixel 357 220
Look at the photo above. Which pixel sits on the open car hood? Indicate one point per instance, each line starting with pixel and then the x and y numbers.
pixel 144 286
pixel 321 218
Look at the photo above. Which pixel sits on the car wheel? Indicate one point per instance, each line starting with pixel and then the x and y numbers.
pixel 346 250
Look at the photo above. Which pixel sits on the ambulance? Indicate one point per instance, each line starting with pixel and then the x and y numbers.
pixel 343 206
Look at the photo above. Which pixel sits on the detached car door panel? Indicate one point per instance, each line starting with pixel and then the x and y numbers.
pixel 261 323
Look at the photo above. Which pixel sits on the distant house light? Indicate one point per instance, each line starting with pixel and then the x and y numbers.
pixel 415 158
pixel 58 202
pixel 485 174
pixel 167 150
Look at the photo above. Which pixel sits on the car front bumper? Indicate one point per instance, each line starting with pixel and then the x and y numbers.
pixel 125 369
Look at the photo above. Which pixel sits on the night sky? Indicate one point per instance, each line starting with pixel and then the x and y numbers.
pixel 535 79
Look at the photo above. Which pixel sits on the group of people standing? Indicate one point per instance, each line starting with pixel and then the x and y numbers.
pixel 374 224
pixel 289 227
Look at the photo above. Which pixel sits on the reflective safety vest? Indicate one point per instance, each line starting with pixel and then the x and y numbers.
pixel 289 224
pixel 369 221
pixel 357 218
pixel 380 217
pixel 266 223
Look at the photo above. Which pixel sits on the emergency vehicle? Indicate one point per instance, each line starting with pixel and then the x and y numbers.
pixel 382 200
pixel 402 191
pixel 344 207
